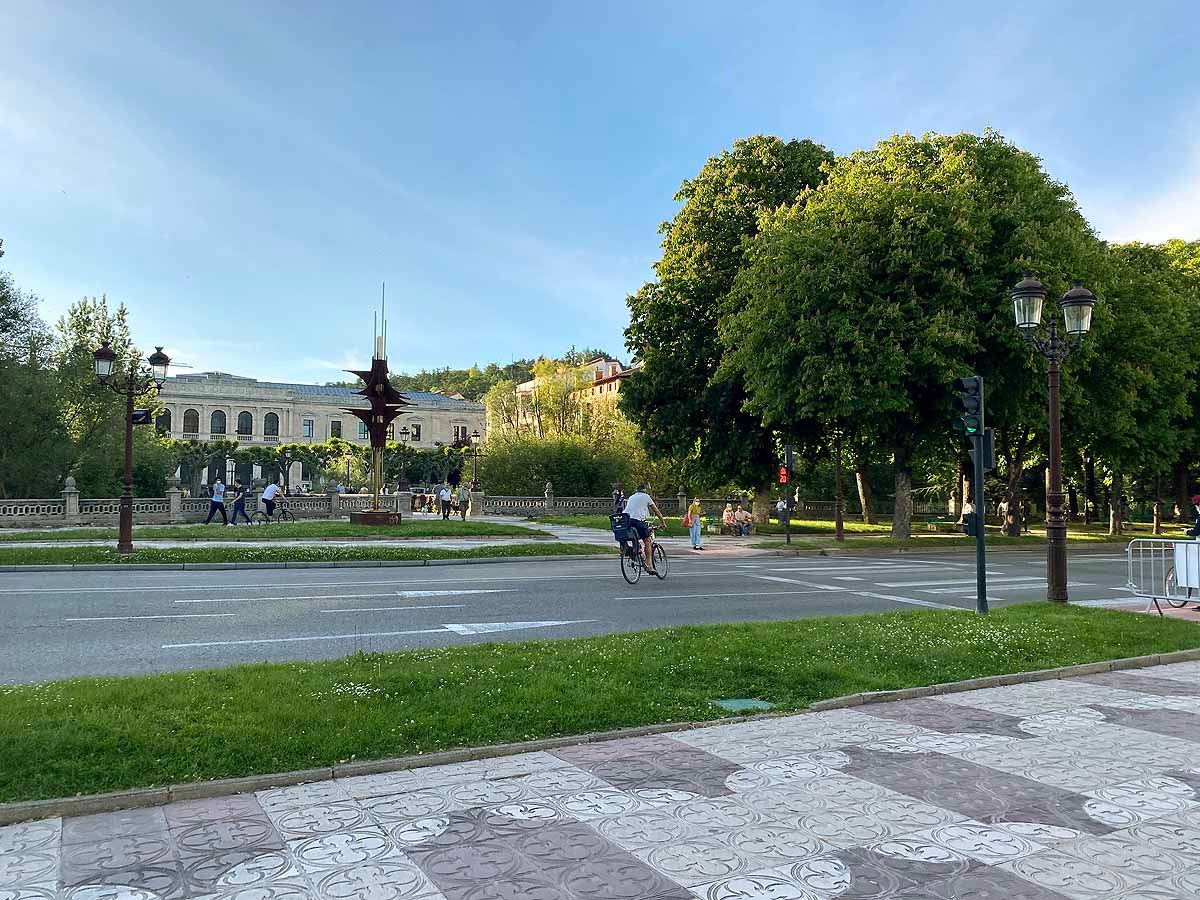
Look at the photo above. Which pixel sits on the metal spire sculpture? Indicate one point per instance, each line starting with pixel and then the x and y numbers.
pixel 385 404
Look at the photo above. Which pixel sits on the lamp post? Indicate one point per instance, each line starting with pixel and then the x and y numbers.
pixel 1028 296
pixel 130 385
pixel 475 460
pixel 405 434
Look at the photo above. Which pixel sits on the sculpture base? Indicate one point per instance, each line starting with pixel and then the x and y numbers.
pixel 375 517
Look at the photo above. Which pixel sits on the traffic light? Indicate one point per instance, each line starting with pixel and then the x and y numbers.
pixel 970 523
pixel 968 405
pixel 783 475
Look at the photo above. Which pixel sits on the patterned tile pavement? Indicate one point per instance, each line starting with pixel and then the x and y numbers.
pixel 1057 790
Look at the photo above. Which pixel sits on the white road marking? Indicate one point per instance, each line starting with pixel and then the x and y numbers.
pixel 811 584
pixel 946 582
pixel 401 594
pixel 277 585
pixel 131 618
pixel 1014 584
pixel 847 578
pixel 465 628
pixel 357 609
pixel 491 627
pixel 914 601
pixel 713 594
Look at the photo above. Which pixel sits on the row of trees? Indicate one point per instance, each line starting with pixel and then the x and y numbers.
pixel 817 301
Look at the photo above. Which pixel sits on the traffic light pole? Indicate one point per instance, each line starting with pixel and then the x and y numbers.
pixel 981 604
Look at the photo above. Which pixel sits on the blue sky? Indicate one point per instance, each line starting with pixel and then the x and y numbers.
pixel 243 176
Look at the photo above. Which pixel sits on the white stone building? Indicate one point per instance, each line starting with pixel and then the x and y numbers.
pixel 209 406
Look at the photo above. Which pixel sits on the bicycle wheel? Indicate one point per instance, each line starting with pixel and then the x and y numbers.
pixel 259 518
pixel 631 568
pixel 285 516
pixel 1170 588
pixel 660 562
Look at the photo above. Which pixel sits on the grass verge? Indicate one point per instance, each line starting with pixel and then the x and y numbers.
pixel 48 556
pixel 675 525
pixel 87 736
pixel 410 528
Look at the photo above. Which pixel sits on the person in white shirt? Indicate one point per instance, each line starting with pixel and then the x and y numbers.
pixel 638 508
pixel 216 503
pixel 270 492
pixel 444 501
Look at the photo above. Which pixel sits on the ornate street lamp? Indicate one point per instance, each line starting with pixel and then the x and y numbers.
pixel 405 434
pixel 475 460
pixel 130 385
pixel 1028 297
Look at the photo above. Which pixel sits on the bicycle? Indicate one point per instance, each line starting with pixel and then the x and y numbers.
pixel 283 516
pixel 1170 587
pixel 633 550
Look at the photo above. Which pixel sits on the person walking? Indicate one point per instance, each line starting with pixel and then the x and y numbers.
pixel 444 501
pixel 692 519
pixel 216 503
pixel 239 504
pixel 464 501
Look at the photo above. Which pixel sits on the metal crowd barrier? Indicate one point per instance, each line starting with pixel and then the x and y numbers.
pixel 1161 569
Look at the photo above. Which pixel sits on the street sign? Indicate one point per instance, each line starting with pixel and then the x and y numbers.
pixel 783 475
pixel 141 417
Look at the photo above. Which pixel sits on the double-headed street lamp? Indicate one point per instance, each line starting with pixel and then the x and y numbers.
pixel 131 384
pixel 1076 304
pixel 475 460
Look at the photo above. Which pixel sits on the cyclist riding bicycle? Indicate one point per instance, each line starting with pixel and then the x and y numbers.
pixel 270 492
pixel 638 508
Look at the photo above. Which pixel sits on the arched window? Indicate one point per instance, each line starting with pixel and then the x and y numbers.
pixel 163 422
pixel 271 425
pixel 245 423
pixel 216 422
pixel 191 422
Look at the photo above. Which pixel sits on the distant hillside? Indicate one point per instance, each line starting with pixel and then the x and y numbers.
pixel 474 382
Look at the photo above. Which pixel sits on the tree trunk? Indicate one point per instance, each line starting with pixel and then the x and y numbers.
pixel 1114 505
pixel 865 499
pixel 839 531
pixel 1183 501
pixel 761 507
pixel 956 500
pixel 902 515
pixel 1091 510
pixel 966 487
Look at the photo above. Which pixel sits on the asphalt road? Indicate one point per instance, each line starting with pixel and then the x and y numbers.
pixel 62 625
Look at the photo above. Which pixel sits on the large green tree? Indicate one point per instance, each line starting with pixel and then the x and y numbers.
pixel 860 304
pixel 686 406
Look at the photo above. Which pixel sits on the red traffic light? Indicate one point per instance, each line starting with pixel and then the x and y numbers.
pixel 783 475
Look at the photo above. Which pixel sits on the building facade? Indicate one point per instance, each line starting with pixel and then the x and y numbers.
pixel 210 406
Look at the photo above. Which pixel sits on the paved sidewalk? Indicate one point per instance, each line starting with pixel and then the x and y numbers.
pixel 1087 788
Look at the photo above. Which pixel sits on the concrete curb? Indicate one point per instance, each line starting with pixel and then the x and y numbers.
pixel 159 796
pixel 327 564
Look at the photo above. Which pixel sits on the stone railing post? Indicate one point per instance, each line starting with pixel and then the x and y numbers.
pixel 174 500
pixel 549 496
pixel 335 507
pixel 681 498
pixel 70 502
pixel 476 507
pixel 404 502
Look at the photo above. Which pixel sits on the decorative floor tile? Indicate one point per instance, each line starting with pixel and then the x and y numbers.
pixel 347 848
pixel 45 836
pixel 1069 875
pixel 202 812
pixel 389 880
pixel 104 826
pixel 326 818
pixel 302 795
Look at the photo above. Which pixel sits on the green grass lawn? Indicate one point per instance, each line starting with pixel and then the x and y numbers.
pixel 942 540
pixel 410 528
pixel 42 556
pixel 675 527
pixel 92 735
